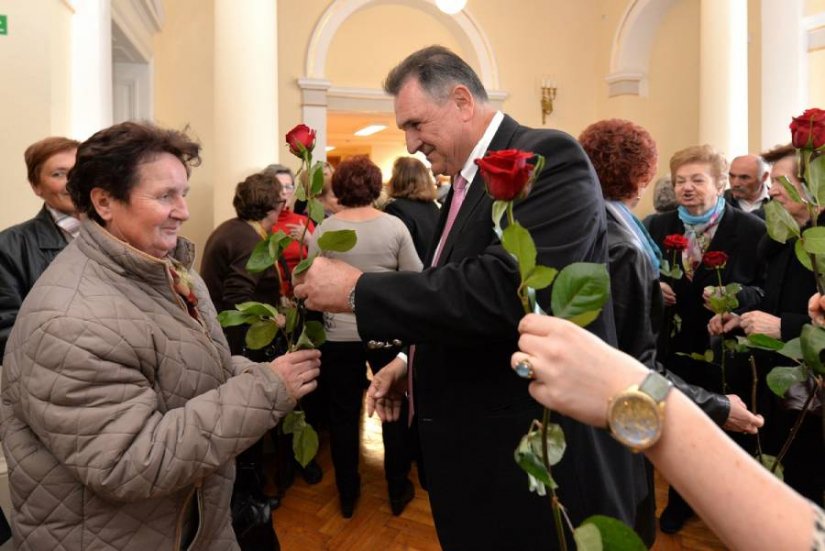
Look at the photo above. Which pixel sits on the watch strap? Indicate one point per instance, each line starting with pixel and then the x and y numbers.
pixel 656 386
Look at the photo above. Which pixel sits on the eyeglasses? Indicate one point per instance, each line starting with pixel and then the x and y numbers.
pixel 288 187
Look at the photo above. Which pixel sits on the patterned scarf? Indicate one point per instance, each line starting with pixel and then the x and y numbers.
pixel 182 283
pixel 699 231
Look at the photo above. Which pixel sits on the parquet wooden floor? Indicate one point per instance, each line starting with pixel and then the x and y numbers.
pixel 309 518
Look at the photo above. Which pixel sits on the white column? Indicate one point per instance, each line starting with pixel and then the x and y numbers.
pixel 784 78
pixel 723 76
pixel 247 137
pixel 314 112
pixel 91 75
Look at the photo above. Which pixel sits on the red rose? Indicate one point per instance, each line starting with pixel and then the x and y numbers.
pixel 714 259
pixel 676 242
pixel 300 139
pixel 506 173
pixel 808 129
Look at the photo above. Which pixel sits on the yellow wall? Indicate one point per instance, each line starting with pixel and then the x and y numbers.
pixel 34 98
pixel 184 71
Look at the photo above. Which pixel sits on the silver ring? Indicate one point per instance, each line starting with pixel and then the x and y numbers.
pixel 524 369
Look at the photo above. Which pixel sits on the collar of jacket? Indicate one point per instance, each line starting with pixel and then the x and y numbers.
pixel 51 238
pixel 111 252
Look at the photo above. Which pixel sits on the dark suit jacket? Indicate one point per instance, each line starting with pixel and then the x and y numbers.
pixel 737 235
pixel 732 201
pixel 420 217
pixel 26 250
pixel 472 410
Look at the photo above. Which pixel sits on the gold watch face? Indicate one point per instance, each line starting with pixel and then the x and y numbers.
pixel 635 419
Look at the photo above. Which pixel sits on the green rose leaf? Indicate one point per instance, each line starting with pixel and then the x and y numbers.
pixel 312 336
pixel 304 265
pixel 555 442
pixel 300 190
pixel 528 457
pixel 278 241
pixel 812 340
pixel 317 186
pixel 234 318
pixel 316 210
pixel 579 292
pixel 781 225
pixel 813 240
pixel 767 461
pixel 518 242
pixel 291 320
pixel 803 257
pixel 763 342
pixel 616 535
pixel 305 445
pixel 257 309
pixel 499 208
pixel 734 346
pixel 816 179
pixel 780 379
pixel 260 259
pixel 588 538
pixel 718 303
pixel 792 349
pixel 540 277
pixel 261 334
pixel 295 420
pixel 339 241
pixel 793 193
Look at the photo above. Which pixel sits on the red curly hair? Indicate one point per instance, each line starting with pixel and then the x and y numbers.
pixel 623 154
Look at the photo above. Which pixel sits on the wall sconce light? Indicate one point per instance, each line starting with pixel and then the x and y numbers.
pixel 548 94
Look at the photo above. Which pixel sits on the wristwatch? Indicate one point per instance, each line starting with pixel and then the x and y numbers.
pixel 636 415
pixel 351 299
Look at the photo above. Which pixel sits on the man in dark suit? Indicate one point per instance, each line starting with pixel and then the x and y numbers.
pixel 748 184
pixel 462 314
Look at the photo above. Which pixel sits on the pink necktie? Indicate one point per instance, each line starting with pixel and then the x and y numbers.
pixel 459 192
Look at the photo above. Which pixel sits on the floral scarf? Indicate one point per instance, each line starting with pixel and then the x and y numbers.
pixel 699 231
pixel 182 283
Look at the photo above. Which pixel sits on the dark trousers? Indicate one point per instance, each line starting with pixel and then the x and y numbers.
pixel 343 374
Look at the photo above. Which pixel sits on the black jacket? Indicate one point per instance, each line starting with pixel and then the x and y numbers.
pixel 26 250
pixel 420 217
pixel 638 310
pixel 472 410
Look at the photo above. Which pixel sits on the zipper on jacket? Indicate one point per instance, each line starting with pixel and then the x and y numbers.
pixel 181 515
pixel 199 502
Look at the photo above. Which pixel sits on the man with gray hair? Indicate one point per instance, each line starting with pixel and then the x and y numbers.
pixel 462 314
pixel 748 184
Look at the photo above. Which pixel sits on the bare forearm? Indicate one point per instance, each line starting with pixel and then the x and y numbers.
pixel 743 503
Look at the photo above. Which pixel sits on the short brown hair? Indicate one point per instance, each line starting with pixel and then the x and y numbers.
pixel 110 158
pixel 256 196
pixel 778 153
pixel 38 153
pixel 356 182
pixel 701 154
pixel 623 154
pixel 411 179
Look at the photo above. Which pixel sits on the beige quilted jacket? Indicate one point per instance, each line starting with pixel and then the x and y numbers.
pixel 121 414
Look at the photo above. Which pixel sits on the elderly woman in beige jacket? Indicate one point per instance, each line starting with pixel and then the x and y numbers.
pixel 122 409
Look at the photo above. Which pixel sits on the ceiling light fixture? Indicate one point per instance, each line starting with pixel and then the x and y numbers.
pixel 451 7
pixel 329 148
pixel 370 130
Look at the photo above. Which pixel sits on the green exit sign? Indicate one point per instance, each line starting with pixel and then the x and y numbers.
pixel 4 25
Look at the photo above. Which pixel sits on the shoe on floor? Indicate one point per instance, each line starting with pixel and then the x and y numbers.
pixel 348 504
pixel 673 518
pixel 398 503
pixel 312 473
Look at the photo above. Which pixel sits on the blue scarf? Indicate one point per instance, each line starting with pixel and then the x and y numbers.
pixel 699 231
pixel 690 220
pixel 654 253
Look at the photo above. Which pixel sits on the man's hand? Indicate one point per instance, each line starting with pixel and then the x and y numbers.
pixel 387 391
pixel 816 309
pixel 723 323
pixel 298 370
pixel 761 322
pixel 668 294
pixel 740 419
pixel 326 285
